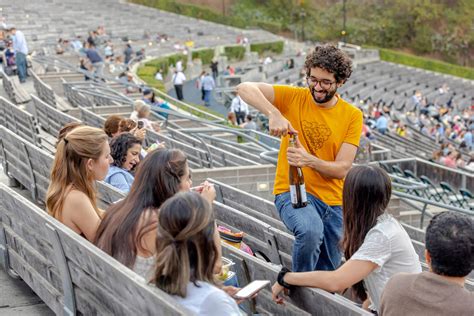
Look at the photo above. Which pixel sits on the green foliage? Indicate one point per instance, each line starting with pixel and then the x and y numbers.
pixel 236 52
pixel 163 63
pixel 206 55
pixel 152 82
pixel 262 48
pixel 426 63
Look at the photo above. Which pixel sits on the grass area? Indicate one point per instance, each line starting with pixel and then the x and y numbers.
pixel 426 63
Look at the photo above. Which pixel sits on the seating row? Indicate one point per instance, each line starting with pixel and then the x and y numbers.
pixel 36 277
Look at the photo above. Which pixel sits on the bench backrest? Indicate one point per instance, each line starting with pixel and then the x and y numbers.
pixel 18 121
pixel 31 166
pixel 301 299
pixel 67 272
pixel 44 91
pixel 49 118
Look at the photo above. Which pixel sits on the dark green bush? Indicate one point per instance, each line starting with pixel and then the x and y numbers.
pixel 273 47
pixel 234 52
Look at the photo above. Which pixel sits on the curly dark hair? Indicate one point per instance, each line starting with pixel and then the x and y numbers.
pixel 450 243
pixel 119 146
pixel 331 59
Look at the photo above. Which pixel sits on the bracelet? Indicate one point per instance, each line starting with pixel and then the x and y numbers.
pixel 280 277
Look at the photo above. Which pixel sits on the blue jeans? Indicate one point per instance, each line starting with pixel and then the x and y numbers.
pixel 207 97
pixel 20 60
pixel 317 228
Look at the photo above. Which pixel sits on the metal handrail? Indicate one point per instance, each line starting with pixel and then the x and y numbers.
pixel 227 130
pixel 269 156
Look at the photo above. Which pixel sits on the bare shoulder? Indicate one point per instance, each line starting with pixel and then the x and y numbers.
pixel 77 198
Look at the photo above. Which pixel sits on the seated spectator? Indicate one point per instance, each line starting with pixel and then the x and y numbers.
pixel 450 159
pixel 125 151
pixel 231 119
pixel 382 124
pixel 82 156
pixel 189 255
pixel 143 115
pixel 249 123
pixel 375 245
pixel 440 291
pixel 66 129
pixel 129 125
pixel 111 125
pixel 155 102
pixel 159 75
pixel 128 230
pixel 136 107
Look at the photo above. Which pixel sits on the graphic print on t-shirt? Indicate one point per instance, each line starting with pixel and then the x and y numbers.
pixel 315 134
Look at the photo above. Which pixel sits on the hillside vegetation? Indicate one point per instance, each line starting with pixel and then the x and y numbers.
pixel 440 29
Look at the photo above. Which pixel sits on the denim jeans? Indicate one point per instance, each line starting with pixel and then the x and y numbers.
pixel 21 66
pixel 317 228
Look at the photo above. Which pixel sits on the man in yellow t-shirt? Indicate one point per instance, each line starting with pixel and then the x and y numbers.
pixel 328 130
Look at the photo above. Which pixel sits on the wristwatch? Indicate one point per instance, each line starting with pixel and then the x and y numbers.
pixel 280 277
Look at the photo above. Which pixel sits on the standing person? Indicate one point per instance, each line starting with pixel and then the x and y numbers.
pixel 440 291
pixel 95 59
pixel 21 51
pixel 128 52
pixel 240 108
pixel 208 84
pixel 215 69
pixel 328 131
pixel 178 80
pixel 375 244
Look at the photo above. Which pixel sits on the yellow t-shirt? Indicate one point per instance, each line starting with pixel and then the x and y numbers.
pixel 321 132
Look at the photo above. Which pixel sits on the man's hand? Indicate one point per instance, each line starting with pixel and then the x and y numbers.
pixel 279 126
pixel 298 156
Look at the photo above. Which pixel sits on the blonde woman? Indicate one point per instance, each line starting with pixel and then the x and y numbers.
pixel 82 157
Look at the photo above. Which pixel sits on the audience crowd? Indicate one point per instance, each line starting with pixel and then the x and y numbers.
pixel 165 230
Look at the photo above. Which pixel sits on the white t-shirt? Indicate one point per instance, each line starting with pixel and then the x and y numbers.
pixel 238 105
pixel 179 78
pixel 208 300
pixel 388 245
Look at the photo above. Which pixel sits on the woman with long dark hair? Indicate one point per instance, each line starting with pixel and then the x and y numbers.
pixel 128 230
pixel 189 255
pixel 375 245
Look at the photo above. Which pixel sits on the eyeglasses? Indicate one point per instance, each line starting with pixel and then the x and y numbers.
pixel 324 83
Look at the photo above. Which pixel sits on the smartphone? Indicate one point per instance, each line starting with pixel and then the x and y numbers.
pixel 252 288
pixel 140 124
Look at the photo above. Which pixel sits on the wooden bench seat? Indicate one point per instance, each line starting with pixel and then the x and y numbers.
pixel 50 119
pixel 67 272
pixel 14 90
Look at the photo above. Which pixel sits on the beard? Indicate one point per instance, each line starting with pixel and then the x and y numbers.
pixel 326 95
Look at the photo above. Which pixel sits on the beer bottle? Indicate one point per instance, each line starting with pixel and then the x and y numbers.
pixel 297 187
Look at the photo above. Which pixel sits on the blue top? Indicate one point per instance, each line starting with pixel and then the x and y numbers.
pixel 119 178
pixel 208 83
pixel 93 56
pixel 382 122
pixel 19 43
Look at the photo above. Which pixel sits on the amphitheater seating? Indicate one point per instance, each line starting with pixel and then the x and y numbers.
pixel 19 121
pixel 50 119
pixel 14 90
pixel 66 271
pixel 30 165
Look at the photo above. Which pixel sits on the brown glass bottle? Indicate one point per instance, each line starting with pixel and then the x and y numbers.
pixel 297 187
